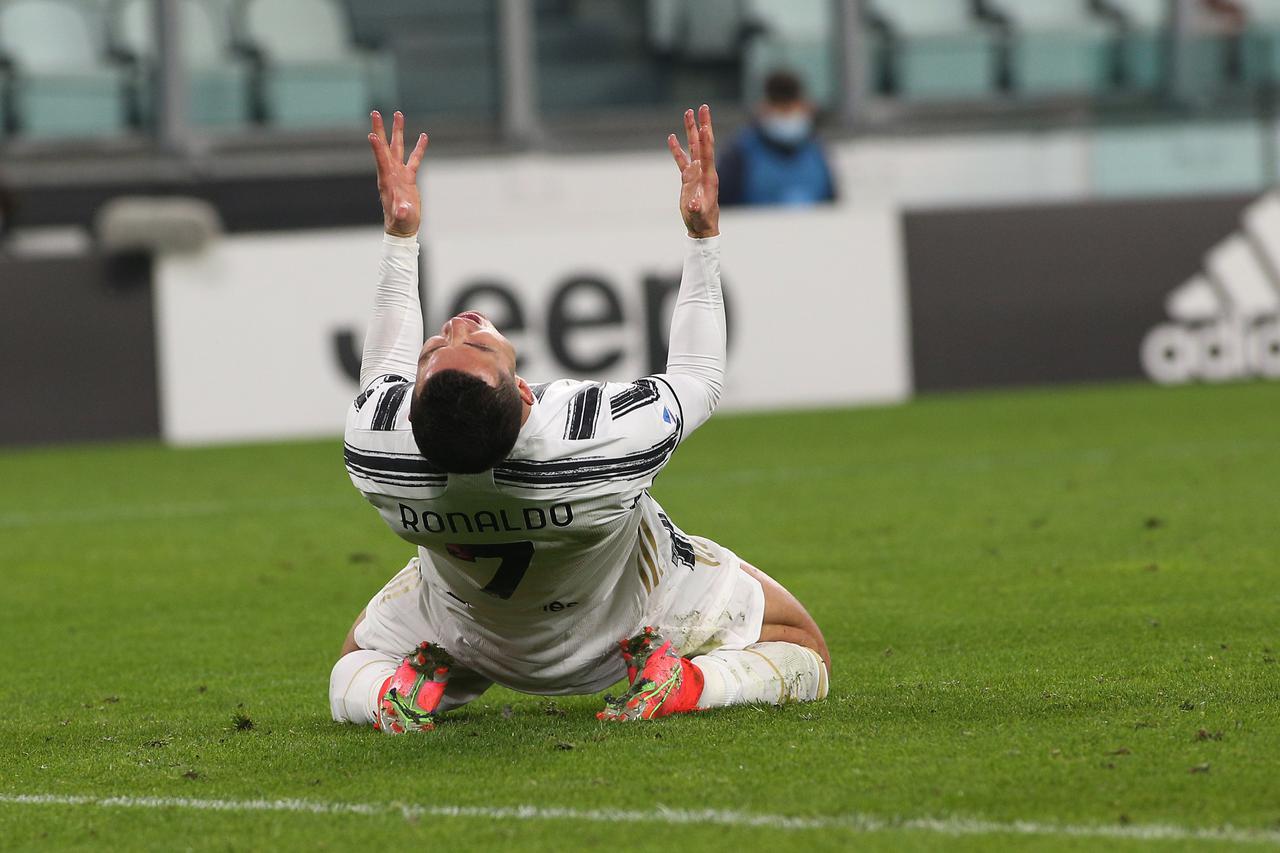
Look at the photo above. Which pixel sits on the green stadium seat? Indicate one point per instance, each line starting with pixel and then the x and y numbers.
pixel 218 81
pixel 445 54
pixel 311 72
pixel 587 61
pixel 62 82
pixel 383 21
pixel 798 37
pixel 707 31
pixel 618 83
pixel 1058 47
pixel 1142 41
pixel 449 75
pixel 934 50
pixel 1263 12
pixel 1262 41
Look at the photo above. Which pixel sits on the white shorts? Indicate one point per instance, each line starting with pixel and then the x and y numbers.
pixel 715 605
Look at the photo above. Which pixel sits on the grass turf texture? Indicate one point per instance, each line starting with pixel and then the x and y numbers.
pixel 1057 607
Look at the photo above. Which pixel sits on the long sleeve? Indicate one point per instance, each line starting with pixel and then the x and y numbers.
pixel 394 337
pixel 696 356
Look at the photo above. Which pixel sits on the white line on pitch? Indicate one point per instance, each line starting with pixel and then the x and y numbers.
pixel 660 814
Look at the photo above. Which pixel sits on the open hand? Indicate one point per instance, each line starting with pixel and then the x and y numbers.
pixel 699 183
pixel 397 180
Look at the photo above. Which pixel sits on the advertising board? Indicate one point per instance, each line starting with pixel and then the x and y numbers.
pixel 259 336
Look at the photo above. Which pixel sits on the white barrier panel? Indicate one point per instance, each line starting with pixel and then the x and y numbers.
pixel 247 334
pixel 258 336
pixel 816 304
pixel 911 172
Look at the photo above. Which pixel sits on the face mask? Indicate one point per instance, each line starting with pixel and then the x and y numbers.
pixel 789 129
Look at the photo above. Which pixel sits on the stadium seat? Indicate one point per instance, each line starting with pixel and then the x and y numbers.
pixel 621 83
pixel 1262 41
pixel 311 74
pixel 382 22
pixel 1058 47
pixel 453 74
pixel 709 30
pixel 217 80
pixel 1265 13
pixel 696 49
pixel 62 83
pixel 445 53
pixel 589 60
pixel 1142 41
pixel 934 50
pixel 796 36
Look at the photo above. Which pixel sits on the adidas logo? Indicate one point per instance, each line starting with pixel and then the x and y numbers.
pixel 1227 319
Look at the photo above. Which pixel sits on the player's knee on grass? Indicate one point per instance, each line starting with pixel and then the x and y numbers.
pixel 788 662
pixel 798 636
pixel 355 685
pixel 766 673
pixel 355 679
pixel 785 619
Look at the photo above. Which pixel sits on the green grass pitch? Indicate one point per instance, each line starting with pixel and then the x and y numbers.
pixel 1055 620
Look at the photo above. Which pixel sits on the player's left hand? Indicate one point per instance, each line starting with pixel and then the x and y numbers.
pixel 397 180
pixel 699 183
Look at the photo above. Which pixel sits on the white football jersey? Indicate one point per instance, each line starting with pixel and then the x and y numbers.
pixel 556 550
pixel 548 560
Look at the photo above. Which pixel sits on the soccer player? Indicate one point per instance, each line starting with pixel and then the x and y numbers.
pixel 539 545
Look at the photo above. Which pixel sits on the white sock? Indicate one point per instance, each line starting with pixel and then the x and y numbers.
pixel 355 683
pixel 764 673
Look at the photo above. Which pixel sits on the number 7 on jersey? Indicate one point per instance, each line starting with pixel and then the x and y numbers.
pixel 514 556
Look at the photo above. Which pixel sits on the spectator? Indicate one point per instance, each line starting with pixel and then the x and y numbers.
pixel 778 159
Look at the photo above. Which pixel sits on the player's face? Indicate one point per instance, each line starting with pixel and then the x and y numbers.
pixel 470 343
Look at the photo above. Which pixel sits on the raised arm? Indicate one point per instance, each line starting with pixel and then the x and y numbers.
pixel 696 355
pixel 394 336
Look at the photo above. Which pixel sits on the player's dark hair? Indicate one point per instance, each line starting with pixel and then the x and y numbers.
pixel 783 87
pixel 464 425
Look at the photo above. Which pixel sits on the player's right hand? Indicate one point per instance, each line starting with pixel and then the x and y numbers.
pixel 397 180
pixel 699 183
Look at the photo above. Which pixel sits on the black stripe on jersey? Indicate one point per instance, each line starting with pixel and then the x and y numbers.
pixel 396 469
pixel 535 467
pixel 583 410
pixel 384 417
pixel 538 390
pixel 681 547
pixel 641 393
pixel 572 472
pixel 376 385
pixel 404 463
pixel 679 408
pixel 355 471
pixel 389 481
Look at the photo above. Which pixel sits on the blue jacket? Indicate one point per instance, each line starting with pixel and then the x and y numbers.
pixel 758 170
